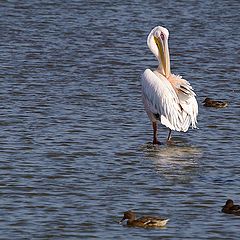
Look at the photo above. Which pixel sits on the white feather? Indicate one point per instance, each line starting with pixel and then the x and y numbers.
pixel 160 98
pixel 167 98
pixel 176 111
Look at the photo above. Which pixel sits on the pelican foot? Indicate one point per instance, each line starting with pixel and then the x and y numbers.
pixel 156 142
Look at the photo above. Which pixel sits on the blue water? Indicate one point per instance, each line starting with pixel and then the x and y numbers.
pixel 75 141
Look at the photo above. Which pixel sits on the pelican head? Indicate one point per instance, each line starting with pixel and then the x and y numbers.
pixel 157 41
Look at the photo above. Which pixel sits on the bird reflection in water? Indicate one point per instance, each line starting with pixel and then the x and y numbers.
pixel 178 163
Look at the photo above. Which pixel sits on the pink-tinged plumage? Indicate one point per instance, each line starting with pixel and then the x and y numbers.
pixel 167 98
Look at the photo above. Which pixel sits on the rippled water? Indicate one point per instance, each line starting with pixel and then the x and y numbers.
pixel 75 140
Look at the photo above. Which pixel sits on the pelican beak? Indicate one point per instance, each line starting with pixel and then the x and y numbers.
pixel 164 54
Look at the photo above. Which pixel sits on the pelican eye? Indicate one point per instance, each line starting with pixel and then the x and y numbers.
pixel 162 36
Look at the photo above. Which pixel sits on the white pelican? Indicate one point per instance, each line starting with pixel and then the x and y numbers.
pixel 167 98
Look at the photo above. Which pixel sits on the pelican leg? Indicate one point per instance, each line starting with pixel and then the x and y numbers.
pixel 154 125
pixel 169 135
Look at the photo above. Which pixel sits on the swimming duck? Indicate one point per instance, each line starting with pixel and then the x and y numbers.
pixel 145 221
pixel 209 102
pixel 230 208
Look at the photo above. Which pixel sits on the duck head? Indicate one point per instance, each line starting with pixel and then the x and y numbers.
pixel 128 215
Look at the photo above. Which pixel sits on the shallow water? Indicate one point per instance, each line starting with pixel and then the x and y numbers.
pixel 75 140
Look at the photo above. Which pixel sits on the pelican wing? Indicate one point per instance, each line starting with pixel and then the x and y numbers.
pixel 160 99
pixel 187 101
pixel 190 113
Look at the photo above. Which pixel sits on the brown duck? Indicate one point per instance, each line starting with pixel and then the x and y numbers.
pixel 145 221
pixel 230 208
pixel 209 102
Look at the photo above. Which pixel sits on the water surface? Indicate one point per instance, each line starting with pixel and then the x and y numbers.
pixel 75 140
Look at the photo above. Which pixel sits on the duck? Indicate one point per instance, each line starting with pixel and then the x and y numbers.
pixel 209 102
pixel 230 208
pixel 145 221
